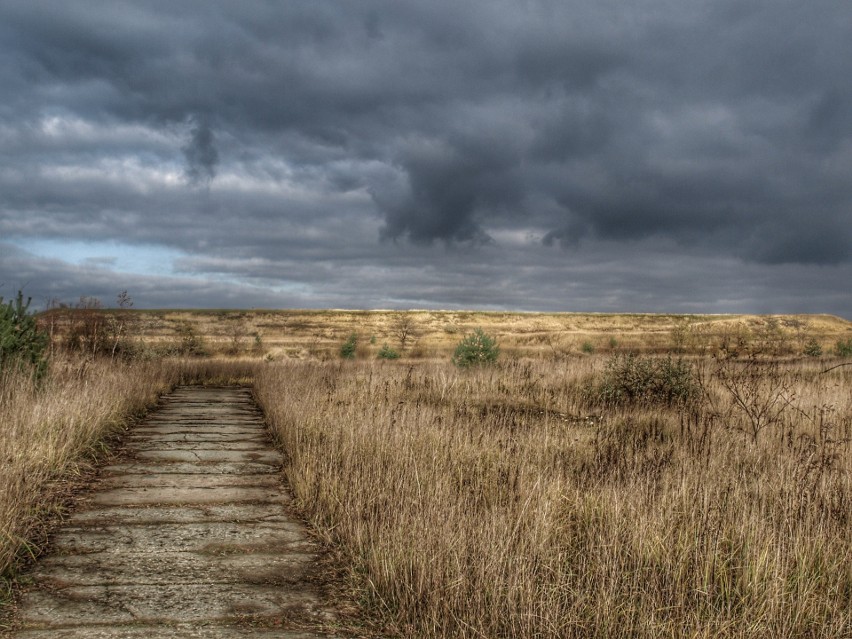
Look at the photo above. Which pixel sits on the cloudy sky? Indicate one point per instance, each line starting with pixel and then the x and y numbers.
pixel 606 155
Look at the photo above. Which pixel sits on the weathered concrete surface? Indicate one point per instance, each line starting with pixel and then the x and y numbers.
pixel 185 536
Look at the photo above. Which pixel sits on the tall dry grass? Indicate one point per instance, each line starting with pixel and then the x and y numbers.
pixel 506 503
pixel 49 431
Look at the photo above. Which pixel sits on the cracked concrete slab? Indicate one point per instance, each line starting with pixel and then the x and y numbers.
pixel 169 632
pixel 250 512
pixel 176 468
pixel 190 480
pixel 150 496
pixel 160 445
pixel 257 456
pixel 95 569
pixel 171 603
pixel 186 536
pixel 181 436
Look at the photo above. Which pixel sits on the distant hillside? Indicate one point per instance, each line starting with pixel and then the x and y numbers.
pixel 307 333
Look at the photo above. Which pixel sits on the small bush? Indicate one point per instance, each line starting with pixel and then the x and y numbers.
pixel 812 348
pixel 843 348
pixel 350 346
pixel 588 348
pixel 189 342
pixel 21 343
pixel 645 380
pixel 476 349
pixel 387 352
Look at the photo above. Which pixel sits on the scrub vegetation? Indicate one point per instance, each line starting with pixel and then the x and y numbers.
pixel 428 335
pixel 518 501
pixel 703 491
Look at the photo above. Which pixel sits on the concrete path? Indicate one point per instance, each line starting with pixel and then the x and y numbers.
pixel 187 536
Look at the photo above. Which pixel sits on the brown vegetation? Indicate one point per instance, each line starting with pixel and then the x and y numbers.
pixel 49 429
pixel 296 334
pixel 506 502
pixel 564 494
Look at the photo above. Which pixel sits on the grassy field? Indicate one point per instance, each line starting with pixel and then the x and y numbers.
pixel 513 502
pixel 564 492
pixel 294 334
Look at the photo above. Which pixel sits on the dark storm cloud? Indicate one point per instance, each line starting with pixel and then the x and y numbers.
pixel 522 134
pixel 200 153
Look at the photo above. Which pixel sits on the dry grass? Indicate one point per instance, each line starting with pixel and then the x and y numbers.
pixel 510 502
pixel 504 503
pixel 298 334
pixel 48 433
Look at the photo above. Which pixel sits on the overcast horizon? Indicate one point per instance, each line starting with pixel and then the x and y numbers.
pixel 668 157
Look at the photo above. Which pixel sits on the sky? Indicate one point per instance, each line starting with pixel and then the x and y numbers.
pixel 555 155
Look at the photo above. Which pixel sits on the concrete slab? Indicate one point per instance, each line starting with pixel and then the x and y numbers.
pixel 183 631
pixel 258 456
pixel 189 468
pixel 211 427
pixel 175 603
pixel 191 513
pixel 183 435
pixel 207 411
pixel 101 569
pixel 189 480
pixel 158 444
pixel 210 538
pixel 188 496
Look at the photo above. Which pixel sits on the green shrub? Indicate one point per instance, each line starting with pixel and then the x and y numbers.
pixel 189 342
pixel 21 343
pixel 587 347
pixel 387 352
pixel 844 348
pixel 646 380
pixel 258 343
pixel 476 349
pixel 347 351
pixel 812 348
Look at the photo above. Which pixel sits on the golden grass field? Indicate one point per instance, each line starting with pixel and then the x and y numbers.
pixel 299 334
pixel 532 498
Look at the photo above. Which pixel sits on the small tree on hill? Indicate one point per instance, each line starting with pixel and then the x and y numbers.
pixel 403 328
pixel 476 349
pixel 387 352
pixel 812 348
pixel 89 332
pixel 117 323
pixel 21 343
pixel 347 351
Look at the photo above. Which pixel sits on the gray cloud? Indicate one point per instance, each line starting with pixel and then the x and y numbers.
pixel 478 135
pixel 200 153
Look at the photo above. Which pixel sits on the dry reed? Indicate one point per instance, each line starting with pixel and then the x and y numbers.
pixel 503 503
pixel 49 431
